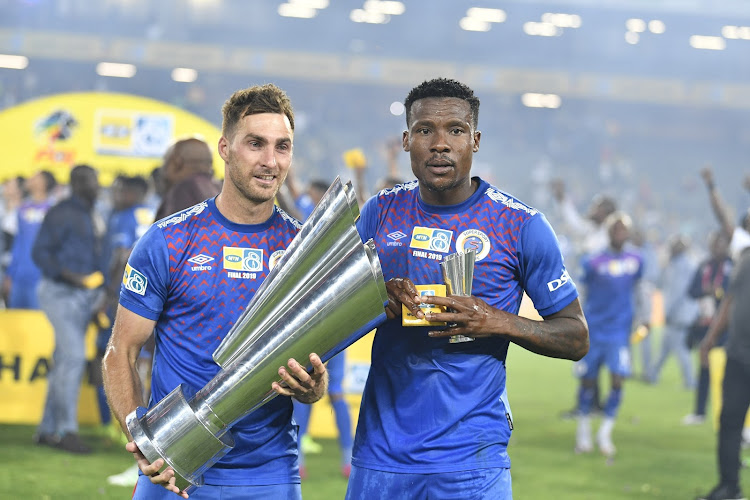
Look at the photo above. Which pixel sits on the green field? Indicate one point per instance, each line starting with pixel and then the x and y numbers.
pixel 657 456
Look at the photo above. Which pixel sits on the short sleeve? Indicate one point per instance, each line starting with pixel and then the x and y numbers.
pixel 542 272
pixel 145 283
pixel 367 224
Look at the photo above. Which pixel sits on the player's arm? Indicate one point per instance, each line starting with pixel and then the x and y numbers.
pixel 122 385
pixel 563 334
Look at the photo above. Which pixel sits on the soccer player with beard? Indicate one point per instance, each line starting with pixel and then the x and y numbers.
pixel 188 280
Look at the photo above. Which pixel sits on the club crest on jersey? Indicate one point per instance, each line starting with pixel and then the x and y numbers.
pixel 134 280
pixel 274 259
pixel 243 259
pixel 474 239
pixel 428 238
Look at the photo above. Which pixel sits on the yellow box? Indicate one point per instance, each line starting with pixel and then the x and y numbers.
pixel 408 319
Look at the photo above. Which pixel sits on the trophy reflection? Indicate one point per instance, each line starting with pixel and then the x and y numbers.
pixel 325 292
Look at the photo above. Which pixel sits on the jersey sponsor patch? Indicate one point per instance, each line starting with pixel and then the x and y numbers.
pixel 555 284
pixel 134 280
pixel 476 240
pixel 243 259
pixel 428 238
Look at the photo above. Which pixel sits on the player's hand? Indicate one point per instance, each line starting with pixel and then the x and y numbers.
pixel 470 316
pixel 301 385
pixel 164 478
pixel 402 291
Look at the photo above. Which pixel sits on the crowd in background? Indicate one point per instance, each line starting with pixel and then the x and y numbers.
pixel 688 264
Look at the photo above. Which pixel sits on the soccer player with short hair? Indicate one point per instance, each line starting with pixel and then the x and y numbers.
pixel 188 280
pixel 435 419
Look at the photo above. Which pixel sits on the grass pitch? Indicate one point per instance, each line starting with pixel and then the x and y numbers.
pixel 657 457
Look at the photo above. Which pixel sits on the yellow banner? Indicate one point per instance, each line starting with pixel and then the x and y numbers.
pixel 26 346
pixel 114 133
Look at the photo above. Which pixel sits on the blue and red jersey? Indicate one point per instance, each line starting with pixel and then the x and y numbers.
pixel 430 406
pixel 194 273
pixel 611 279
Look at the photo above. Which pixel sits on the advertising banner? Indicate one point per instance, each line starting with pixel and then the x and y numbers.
pixel 114 133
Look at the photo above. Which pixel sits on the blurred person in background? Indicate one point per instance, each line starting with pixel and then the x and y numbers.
pixel 708 285
pixel 647 287
pixel 589 230
pixel 156 189
pixel 680 310
pixel 613 304
pixel 590 236
pixel 158 296
pixel 733 315
pixel 23 275
pixel 129 220
pixel 68 251
pixel 187 174
pixel 739 235
pixel 428 427
pixel 13 195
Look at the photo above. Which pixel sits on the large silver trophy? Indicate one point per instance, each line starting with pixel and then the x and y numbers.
pixel 324 293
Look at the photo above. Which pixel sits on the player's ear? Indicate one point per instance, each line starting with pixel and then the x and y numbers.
pixel 223 148
pixel 405 140
pixel 477 137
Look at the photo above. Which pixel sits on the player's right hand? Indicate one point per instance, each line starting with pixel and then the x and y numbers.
pixel 165 478
pixel 402 291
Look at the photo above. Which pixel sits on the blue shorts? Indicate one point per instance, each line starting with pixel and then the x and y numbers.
pixel 615 355
pixel 477 484
pixel 335 369
pixel 146 490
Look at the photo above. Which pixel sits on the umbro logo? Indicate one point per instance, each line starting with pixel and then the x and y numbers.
pixel 395 236
pixel 200 261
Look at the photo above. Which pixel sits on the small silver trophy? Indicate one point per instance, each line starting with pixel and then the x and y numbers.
pixel 458 274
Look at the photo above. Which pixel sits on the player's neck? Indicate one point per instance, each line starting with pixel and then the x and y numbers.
pixel 240 210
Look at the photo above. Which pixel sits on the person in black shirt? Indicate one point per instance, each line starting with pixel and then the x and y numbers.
pixel 735 400
pixel 68 252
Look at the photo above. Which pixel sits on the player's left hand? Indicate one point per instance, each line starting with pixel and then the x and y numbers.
pixel 298 383
pixel 470 316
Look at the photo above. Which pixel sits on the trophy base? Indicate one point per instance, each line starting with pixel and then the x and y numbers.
pixel 171 430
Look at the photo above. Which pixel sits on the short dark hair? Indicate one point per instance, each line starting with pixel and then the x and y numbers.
pixel 137 183
pixel 320 185
pixel 443 87
pixel 80 172
pixel 266 98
